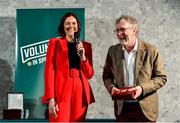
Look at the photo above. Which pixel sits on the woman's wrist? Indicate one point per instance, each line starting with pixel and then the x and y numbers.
pixel 83 58
pixel 51 100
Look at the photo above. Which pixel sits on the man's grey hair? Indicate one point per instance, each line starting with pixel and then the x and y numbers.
pixel 130 20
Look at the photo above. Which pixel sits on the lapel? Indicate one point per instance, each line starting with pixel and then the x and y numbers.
pixel 64 55
pixel 64 44
pixel 139 58
pixel 120 54
pixel 119 61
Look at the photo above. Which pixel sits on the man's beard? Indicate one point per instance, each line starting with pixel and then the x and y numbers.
pixel 124 41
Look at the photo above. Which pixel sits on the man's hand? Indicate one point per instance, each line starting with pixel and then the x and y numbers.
pixel 138 91
pixel 53 107
pixel 114 89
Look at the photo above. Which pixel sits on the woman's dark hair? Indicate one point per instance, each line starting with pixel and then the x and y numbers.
pixel 61 32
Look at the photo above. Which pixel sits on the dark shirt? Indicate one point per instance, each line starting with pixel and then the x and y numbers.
pixel 74 60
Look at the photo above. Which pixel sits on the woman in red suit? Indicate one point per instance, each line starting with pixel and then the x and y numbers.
pixel 67 70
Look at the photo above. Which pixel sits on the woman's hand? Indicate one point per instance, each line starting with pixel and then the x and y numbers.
pixel 53 107
pixel 81 51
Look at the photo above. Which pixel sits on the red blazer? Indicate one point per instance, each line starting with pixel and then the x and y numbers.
pixel 57 69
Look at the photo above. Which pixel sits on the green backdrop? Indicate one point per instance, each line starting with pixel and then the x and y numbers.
pixel 34 28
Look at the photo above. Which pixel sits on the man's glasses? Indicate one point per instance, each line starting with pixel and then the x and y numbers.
pixel 121 30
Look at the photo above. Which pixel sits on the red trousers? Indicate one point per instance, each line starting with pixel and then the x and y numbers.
pixel 72 110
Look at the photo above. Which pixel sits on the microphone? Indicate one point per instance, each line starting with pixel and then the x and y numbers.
pixel 76 38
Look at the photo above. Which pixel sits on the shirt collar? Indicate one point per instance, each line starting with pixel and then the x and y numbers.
pixel 136 45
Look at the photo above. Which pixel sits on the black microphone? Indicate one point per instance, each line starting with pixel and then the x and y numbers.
pixel 76 38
